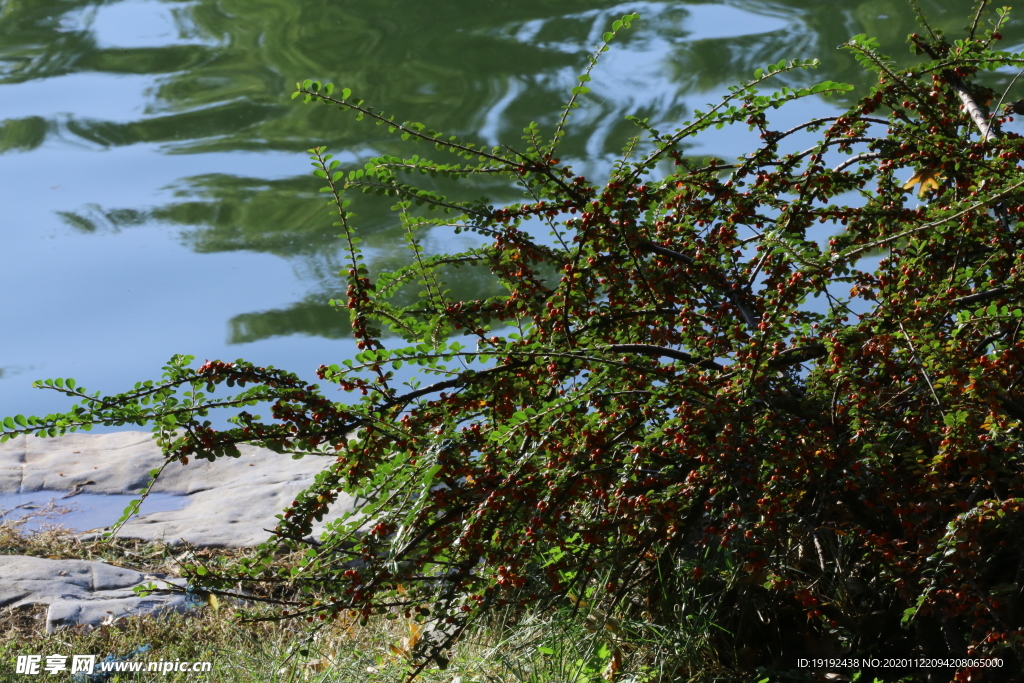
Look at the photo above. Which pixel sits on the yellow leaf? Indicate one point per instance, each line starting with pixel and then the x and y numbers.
pixel 927 178
pixel 576 601
pixel 318 665
pixel 209 598
pixel 405 647
pixel 614 664
pixel 415 630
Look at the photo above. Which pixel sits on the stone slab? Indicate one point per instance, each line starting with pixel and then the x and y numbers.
pixel 232 502
pixel 82 591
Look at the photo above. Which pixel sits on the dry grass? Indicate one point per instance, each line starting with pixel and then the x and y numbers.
pixel 549 646
pixel 55 542
pixel 342 651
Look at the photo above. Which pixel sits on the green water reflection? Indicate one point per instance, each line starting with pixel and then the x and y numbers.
pixel 216 74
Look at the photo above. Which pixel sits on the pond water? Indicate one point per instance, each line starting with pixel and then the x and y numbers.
pixel 81 512
pixel 156 196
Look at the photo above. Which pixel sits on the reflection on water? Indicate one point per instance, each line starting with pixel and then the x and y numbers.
pixel 157 197
pixel 81 512
pixel 151 24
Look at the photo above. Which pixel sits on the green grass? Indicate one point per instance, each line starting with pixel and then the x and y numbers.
pixel 538 647
pixel 565 645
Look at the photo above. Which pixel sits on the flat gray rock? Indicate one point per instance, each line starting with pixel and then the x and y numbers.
pixel 81 591
pixel 232 502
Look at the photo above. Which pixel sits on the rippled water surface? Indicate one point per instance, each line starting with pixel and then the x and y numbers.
pixel 155 193
pixel 81 512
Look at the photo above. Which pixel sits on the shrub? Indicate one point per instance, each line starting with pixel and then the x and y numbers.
pixel 652 411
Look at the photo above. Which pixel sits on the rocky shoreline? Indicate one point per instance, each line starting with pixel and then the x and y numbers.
pixel 229 503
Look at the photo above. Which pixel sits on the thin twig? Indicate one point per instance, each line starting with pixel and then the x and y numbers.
pixel 1003 96
pixel 854 159
pixel 723 285
pixel 926 226
pixel 924 372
